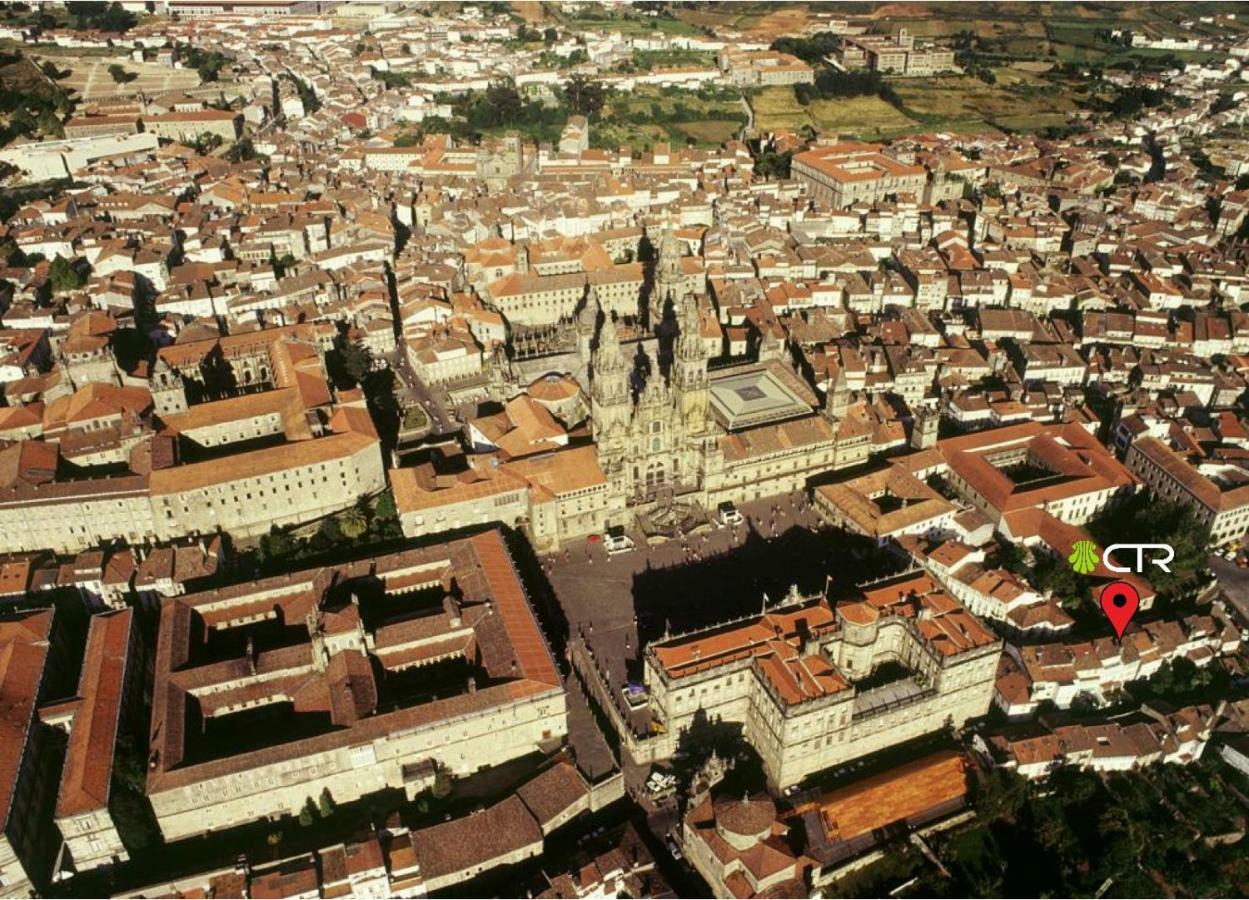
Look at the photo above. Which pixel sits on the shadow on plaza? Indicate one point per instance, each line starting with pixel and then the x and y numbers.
pixel 699 593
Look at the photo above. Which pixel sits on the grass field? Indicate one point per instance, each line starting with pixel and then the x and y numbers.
pixel 1021 101
pixel 777 107
pixel 709 131
pixel 89 76
pixel 867 117
pixel 862 117
pixel 708 122
pixel 961 102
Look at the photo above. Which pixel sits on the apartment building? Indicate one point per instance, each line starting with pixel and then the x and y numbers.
pixel 1061 672
pixel 893 54
pixel 763 68
pixel 1151 736
pixel 188 126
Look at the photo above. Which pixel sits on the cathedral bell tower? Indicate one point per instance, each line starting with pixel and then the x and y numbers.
pixel 669 284
pixel 689 370
pixel 611 404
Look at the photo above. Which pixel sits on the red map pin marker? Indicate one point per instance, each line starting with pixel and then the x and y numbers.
pixel 1119 603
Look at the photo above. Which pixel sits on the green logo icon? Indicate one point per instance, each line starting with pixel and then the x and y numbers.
pixel 1084 557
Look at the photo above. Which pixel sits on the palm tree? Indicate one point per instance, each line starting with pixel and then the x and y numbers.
pixel 352 523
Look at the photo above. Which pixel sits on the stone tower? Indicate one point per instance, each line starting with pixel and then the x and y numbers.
pixel 611 403
pixel 924 428
pixel 837 400
pixel 689 370
pixel 669 284
pixel 168 389
pixel 587 325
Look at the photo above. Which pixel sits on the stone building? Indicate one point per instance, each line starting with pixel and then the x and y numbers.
pixel 108 691
pixel 32 654
pixel 670 435
pixel 1218 495
pixel 815 684
pixel 350 679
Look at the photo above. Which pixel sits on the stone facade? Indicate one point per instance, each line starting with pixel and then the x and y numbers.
pixel 793 687
pixel 355 718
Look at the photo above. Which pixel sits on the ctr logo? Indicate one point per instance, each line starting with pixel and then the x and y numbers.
pixel 1084 555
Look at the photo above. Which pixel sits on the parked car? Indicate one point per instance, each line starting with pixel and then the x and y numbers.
pixel 729 515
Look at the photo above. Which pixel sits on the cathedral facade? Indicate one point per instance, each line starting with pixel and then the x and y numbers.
pixel 656 435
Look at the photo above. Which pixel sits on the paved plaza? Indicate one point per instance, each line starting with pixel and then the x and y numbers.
pixel 618 602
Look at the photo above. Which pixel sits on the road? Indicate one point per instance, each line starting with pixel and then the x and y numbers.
pixel 414 392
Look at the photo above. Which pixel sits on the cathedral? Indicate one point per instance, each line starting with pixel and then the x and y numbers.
pixel 674 435
pixel 665 430
pixel 659 437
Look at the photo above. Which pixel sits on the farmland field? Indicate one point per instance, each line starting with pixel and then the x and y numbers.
pixel 962 102
pixel 777 107
pixel 863 117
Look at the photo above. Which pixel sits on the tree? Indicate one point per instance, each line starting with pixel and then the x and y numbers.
pixel 207 142
pixel 356 361
pixel 327 804
pixel 550 36
pixel 63 276
pixel 503 98
pixel 308 814
pixel 1001 796
pixel 283 263
pixel 89 14
pixel 120 75
pixel 242 151
pixel 585 96
pixel 353 522
pixel 384 507
pixel 771 164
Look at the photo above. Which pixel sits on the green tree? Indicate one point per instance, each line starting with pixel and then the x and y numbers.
pixel 585 96
pixel 384 507
pixel 207 142
pixel 353 522
pixel 356 361
pixel 120 75
pixel 242 151
pixel 63 276
pixel 308 814
pixel 326 804
pixel 1001 796
pixel 504 100
pixel 550 36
